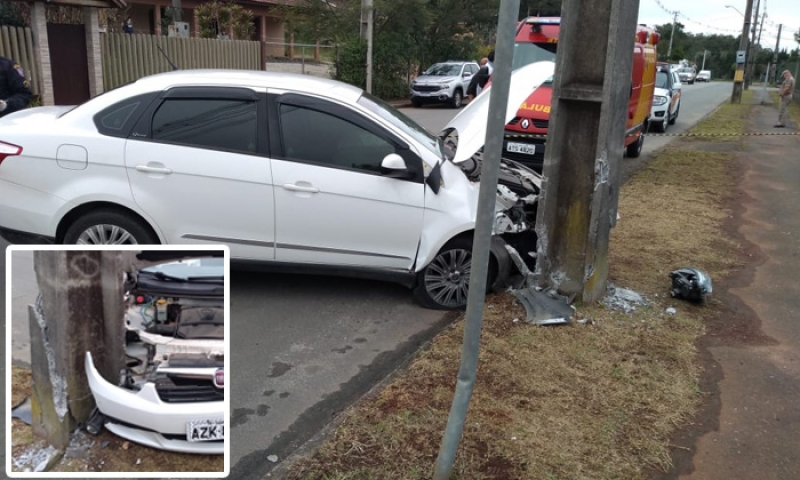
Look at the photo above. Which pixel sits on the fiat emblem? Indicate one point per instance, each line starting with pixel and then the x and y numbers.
pixel 219 378
pixel 525 123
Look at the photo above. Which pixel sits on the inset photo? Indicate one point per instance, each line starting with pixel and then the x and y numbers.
pixel 116 361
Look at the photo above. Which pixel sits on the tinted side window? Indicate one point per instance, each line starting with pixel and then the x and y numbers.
pixel 313 136
pixel 207 123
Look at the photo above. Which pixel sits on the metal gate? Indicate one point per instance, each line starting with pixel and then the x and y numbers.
pixel 69 63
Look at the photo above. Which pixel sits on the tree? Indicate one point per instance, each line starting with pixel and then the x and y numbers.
pixel 797 36
pixel 541 8
pixel 225 19
pixel 13 14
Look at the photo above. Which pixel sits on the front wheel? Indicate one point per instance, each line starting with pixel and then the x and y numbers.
pixel 457 99
pixel 675 117
pixel 108 227
pixel 444 283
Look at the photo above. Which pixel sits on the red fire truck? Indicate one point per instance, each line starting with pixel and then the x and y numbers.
pixel 536 40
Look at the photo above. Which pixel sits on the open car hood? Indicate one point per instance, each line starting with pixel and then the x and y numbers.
pixel 470 123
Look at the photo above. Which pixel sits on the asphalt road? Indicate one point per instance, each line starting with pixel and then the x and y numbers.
pixel 304 347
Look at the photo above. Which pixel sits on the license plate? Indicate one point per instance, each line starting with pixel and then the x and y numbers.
pixel 205 430
pixel 525 148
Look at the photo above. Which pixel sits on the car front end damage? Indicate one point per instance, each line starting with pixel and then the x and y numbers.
pixel 171 392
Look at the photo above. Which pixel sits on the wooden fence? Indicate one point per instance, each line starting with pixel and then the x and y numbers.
pixel 128 57
pixel 17 43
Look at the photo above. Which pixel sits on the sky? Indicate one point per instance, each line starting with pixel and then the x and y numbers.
pixel 712 16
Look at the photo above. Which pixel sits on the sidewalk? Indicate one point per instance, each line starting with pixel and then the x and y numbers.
pixel 755 357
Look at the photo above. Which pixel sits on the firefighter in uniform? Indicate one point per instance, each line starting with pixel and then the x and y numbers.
pixel 15 92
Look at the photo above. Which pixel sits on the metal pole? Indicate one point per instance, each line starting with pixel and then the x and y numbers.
pixel 672 35
pixel 736 94
pixel 177 12
pixel 704 60
pixel 490 171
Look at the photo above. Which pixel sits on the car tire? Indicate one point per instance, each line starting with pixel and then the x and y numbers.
pixel 416 103
pixel 673 118
pixel 635 149
pixel 443 284
pixel 457 99
pixel 109 227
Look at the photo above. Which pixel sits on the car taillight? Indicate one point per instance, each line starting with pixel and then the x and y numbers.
pixel 219 378
pixel 8 150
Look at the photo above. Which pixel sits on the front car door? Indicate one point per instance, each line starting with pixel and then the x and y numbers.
pixel 333 203
pixel 199 168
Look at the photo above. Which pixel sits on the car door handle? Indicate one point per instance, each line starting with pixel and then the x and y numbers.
pixel 148 169
pixel 300 188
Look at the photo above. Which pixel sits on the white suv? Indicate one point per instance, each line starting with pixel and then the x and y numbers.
pixel 445 82
pixel 287 170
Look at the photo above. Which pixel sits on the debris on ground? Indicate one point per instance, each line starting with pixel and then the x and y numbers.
pixel 623 299
pixel 36 458
pixel 671 311
pixel 544 307
pixel 273 458
pixel 690 284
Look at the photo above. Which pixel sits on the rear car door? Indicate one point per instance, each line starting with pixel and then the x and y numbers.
pixel 199 168
pixel 333 204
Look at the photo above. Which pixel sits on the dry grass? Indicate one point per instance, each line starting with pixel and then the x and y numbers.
pixel 109 453
pixel 590 401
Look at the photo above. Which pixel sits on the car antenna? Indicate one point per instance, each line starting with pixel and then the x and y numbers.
pixel 174 67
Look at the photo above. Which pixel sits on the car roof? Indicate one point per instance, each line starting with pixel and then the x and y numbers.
pixel 251 78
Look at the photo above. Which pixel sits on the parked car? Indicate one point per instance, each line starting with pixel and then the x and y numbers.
pixel 171 393
pixel 287 170
pixel 703 76
pixel 687 74
pixel 444 82
pixel 666 99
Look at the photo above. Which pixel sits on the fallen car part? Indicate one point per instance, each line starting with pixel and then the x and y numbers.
pixel 544 308
pixel 690 284
pixel 623 299
pixel 94 424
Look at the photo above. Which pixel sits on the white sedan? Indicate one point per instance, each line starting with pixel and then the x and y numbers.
pixel 287 170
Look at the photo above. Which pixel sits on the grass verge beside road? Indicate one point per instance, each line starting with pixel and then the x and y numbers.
pixel 595 400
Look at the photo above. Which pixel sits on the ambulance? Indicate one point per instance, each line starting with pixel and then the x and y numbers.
pixel 537 41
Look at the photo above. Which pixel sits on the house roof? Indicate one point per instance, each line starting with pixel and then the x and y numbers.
pixel 90 3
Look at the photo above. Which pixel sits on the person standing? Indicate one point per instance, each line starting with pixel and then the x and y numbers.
pixel 787 88
pixel 15 92
pixel 480 79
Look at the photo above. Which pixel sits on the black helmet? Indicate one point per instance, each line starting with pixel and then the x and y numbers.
pixel 690 284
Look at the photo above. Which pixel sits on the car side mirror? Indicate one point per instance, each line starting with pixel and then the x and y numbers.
pixel 394 166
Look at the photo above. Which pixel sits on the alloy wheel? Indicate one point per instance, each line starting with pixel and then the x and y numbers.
pixel 447 277
pixel 106 235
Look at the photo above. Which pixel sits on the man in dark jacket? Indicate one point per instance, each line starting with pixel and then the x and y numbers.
pixel 480 79
pixel 15 93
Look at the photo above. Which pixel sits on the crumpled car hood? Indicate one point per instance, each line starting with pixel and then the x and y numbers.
pixel 470 123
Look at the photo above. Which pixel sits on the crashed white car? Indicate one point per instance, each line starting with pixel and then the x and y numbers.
pixel 171 394
pixel 287 170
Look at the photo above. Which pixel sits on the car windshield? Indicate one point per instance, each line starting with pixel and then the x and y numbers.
pixel 191 269
pixel 526 53
pixel 402 122
pixel 443 70
pixel 661 80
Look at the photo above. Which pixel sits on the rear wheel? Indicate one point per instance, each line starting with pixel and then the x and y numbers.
pixel 635 148
pixel 444 283
pixel 108 227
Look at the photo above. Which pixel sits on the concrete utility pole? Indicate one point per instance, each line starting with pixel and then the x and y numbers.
pixel 578 203
pixel 775 55
pixel 751 51
pixel 487 198
pixel 80 309
pixel 704 60
pixel 672 35
pixel 367 22
pixel 738 79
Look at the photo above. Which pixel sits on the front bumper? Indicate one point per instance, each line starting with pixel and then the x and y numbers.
pixel 144 418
